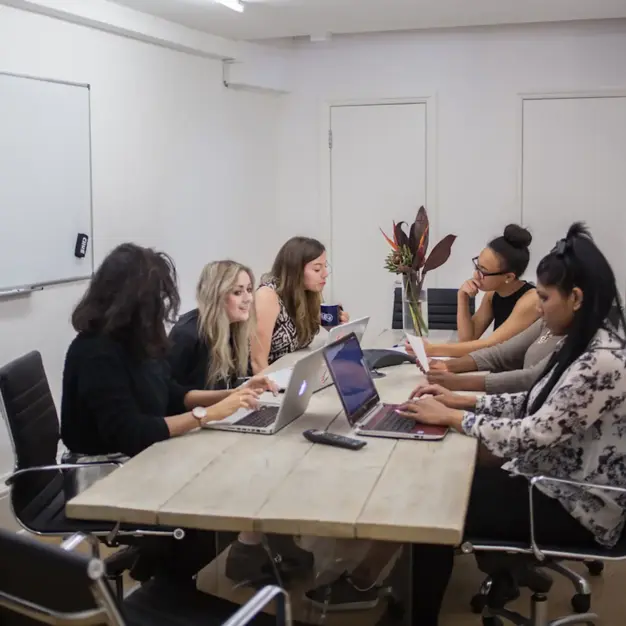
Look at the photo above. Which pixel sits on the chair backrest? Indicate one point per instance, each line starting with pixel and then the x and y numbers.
pixel 396 319
pixel 442 309
pixel 40 582
pixel 33 426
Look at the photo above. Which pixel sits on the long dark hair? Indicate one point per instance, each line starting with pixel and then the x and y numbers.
pixel 576 261
pixel 131 296
pixel 288 270
pixel 512 248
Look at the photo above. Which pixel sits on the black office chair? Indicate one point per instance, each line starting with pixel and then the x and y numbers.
pixel 41 487
pixel 42 583
pixel 524 565
pixel 441 307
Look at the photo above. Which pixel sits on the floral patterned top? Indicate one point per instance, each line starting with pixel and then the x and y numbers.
pixel 285 335
pixel 579 433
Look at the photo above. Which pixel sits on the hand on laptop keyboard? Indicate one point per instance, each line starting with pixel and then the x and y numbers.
pixel 240 398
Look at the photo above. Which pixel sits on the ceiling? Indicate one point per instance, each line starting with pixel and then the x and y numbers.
pixel 269 19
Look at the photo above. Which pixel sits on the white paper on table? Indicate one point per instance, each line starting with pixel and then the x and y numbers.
pixel 420 352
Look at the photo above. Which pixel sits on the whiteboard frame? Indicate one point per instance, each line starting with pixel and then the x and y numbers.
pixel 19 290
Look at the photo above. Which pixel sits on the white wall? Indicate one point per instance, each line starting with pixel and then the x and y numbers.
pixel 179 163
pixel 475 76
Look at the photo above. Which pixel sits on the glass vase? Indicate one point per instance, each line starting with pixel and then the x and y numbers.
pixel 414 310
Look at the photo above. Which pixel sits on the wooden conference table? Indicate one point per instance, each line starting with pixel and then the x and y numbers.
pixel 404 491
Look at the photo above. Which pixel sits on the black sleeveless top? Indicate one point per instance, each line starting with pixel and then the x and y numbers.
pixel 503 307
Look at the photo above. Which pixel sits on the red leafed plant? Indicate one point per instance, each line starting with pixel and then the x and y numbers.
pixel 408 257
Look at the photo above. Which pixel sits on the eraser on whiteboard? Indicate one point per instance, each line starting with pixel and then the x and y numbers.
pixel 81 245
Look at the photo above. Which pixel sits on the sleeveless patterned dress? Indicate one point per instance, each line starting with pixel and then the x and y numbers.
pixel 284 337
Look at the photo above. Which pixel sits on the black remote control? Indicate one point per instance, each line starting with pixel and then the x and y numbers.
pixel 330 439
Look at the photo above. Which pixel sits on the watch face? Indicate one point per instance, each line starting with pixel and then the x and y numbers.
pixel 199 412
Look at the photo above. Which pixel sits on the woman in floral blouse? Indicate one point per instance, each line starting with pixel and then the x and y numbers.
pixel 571 424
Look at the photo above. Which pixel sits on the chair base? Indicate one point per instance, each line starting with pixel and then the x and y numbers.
pixel 538 615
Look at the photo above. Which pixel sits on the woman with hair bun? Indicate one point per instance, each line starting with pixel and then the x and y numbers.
pixel 510 302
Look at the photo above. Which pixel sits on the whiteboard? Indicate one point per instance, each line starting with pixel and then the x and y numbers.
pixel 45 181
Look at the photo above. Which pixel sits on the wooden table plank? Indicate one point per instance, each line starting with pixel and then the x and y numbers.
pixel 325 493
pixel 231 490
pixel 136 491
pixel 422 493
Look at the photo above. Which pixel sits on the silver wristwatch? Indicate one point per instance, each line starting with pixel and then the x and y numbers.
pixel 199 414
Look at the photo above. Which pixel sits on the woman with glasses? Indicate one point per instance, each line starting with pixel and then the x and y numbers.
pixel 510 303
pixel 288 302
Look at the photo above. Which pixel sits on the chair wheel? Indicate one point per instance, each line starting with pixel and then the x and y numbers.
pixel 478 603
pixel 492 621
pixel 595 568
pixel 581 603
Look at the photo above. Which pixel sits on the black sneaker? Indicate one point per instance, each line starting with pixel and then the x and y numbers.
pixel 294 560
pixel 343 595
pixel 249 564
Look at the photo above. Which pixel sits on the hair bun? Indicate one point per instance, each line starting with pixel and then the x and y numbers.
pixel 517 236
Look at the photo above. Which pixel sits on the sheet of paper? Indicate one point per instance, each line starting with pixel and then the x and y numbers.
pixel 418 347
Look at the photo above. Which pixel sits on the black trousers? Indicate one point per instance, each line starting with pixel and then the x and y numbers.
pixel 498 510
pixel 173 559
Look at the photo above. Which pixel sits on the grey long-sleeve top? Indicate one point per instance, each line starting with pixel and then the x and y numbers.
pixel 518 362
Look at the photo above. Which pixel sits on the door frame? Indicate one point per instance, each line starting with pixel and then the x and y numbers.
pixel 325 185
pixel 548 95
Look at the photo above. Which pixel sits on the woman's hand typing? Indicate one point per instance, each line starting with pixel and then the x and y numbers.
pixel 241 398
pixel 260 383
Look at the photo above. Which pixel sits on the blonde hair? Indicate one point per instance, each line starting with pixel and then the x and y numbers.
pixel 302 305
pixel 229 343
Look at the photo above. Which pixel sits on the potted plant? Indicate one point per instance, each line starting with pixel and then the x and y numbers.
pixel 408 259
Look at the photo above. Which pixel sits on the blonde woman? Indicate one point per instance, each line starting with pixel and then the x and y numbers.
pixel 210 345
pixel 288 302
pixel 210 349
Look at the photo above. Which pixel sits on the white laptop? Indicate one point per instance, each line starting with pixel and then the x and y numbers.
pixel 274 413
pixel 361 403
pixel 358 327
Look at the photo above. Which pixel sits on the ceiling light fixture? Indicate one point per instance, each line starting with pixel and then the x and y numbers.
pixel 235 5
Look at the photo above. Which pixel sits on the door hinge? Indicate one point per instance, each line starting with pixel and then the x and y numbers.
pixel 330 139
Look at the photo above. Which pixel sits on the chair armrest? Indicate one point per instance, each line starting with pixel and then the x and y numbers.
pixel 535 480
pixel 59 466
pixel 257 603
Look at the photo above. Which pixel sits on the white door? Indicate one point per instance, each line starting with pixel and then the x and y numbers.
pixel 574 168
pixel 378 174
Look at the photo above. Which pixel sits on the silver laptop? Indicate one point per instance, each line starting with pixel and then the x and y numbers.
pixel 275 413
pixel 361 403
pixel 358 327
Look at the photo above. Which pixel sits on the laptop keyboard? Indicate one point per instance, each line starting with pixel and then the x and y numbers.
pixel 394 423
pixel 265 416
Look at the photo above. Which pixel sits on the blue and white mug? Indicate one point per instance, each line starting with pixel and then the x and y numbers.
pixel 330 315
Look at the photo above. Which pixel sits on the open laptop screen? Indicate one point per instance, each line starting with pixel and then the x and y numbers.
pixel 353 381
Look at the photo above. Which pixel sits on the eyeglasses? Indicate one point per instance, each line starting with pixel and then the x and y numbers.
pixel 482 272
